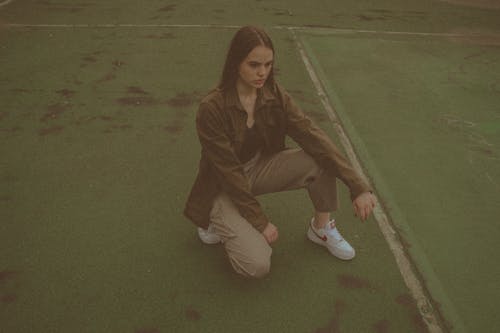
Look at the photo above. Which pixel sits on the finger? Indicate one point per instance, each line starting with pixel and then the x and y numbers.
pixel 360 212
pixel 363 213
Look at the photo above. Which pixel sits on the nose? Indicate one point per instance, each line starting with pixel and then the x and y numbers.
pixel 261 72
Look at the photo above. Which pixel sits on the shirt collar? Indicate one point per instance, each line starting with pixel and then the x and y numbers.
pixel 264 96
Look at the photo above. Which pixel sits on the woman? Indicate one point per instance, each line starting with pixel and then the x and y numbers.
pixel 242 126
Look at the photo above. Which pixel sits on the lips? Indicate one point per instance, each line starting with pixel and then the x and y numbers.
pixel 259 81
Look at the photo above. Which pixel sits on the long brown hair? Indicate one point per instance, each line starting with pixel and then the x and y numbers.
pixel 243 42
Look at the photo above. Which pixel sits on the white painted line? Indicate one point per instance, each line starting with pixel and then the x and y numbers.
pixel 335 31
pixel 325 30
pixel 410 278
pixel 96 26
pixel 6 2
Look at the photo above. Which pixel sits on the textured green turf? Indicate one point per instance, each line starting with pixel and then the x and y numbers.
pixel 98 153
pixel 423 114
pixel 393 15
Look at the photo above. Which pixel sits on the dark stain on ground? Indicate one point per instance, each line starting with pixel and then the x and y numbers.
pixel 54 111
pixel 340 307
pixel 165 35
pixel 333 326
pixel 7 275
pixel 5 198
pixel 136 90
pixel 148 330
pixel 50 130
pixel 353 282
pixel 66 93
pixel 111 75
pixel 173 128
pixel 381 326
pixel 405 300
pixel 3 115
pixel 418 323
pixel 112 128
pixel 183 99
pixel 176 125
pixel 122 126
pixel 9 298
pixel 137 101
pixel 108 77
pixel 60 7
pixel 64 7
pixel 88 119
pixel 483 150
pixel 371 18
pixel 192 314
pixel 89 59
pixel 143 98
pixel 168 8
pixel 409 303
pixel 319 26
pixel 5 278
pixel 384 15
pixel 11 130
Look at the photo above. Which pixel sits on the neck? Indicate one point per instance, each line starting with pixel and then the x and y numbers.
pixel 245 90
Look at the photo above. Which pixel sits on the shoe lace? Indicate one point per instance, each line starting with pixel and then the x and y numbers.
pixel 211 229
pixel 332 230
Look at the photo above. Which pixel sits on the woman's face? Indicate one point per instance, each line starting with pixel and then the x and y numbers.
pixel 255 68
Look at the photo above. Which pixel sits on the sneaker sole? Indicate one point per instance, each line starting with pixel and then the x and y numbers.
pixel 313 238
pixel 205 240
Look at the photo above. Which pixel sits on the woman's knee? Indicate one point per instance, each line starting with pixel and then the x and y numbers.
pixel 253 267
pixel 257 268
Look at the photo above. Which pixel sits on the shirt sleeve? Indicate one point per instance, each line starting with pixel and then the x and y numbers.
pixel 227 167
pixel 319 146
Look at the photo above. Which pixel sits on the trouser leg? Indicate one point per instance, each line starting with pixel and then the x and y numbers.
pixel 247 250
pixel 293 169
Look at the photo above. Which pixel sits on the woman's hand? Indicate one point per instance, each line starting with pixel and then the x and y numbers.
pixel 363 205
pixel 270 233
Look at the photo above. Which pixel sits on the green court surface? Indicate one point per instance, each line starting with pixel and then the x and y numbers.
pixel 429 137
pixel 98 152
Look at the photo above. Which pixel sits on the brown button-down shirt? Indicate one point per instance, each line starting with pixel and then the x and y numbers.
pixel 221 125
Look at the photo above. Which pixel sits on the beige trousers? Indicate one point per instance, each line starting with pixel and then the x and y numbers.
pixel 248 251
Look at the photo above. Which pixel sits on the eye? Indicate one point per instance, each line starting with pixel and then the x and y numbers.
pixel 269 64
pixel 254 65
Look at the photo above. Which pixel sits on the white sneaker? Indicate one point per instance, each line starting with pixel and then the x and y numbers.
pixel 208 236
pixel 331 238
